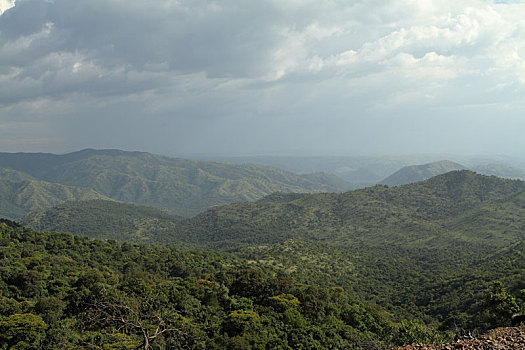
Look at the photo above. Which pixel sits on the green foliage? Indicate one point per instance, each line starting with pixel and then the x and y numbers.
pixel 285 302
pixel 409 332
pixel 313 271
pixel 22 331
pixel 106 220
pixel 63 291
pixel 424 251
pixel 498 306
pixel 241 321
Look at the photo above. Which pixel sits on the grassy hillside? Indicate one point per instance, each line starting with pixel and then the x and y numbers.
pixel 17 198
pixel 181 186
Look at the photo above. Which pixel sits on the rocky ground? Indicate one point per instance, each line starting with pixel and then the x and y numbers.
pixel 499 338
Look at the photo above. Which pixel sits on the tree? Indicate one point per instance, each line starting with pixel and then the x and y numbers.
pixel 22 331
pixel 498 306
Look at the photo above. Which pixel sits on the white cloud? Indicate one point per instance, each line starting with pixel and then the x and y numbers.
pixel 6 5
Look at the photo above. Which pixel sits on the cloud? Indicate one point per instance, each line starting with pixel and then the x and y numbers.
pixel 6 5
pixel 270 66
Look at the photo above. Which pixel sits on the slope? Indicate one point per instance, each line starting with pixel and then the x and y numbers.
pixel 17 198
pixel 427 250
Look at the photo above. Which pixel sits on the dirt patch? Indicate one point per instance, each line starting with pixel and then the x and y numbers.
pixel 498 338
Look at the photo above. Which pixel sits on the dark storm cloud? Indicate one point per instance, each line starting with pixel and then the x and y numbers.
pixel 263 76
pixel 220 38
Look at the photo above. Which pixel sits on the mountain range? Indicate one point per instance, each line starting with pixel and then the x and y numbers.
pixel 178 186
pixel 35 181
pixel 415 173
pixel 363 171
pixel 428 251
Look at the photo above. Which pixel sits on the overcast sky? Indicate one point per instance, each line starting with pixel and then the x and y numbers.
pixel 263 77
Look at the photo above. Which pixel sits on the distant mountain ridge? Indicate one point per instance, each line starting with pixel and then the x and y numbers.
pixel 180 186
pixel 415 173
pixel 500 170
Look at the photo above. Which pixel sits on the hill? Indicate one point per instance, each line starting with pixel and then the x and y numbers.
pixel 361 171
pixel 17 198
pixel 415 173
pixel 14 175
pixel 105 220
pixel 180 186
pixel 397 215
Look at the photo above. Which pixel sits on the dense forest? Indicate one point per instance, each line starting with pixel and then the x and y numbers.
pixel 60 291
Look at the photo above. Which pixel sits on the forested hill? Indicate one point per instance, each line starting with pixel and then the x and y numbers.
pixel 428 249
pixel 447 209
pixel 180 186
pixel 415 173
pixel 105 219
pixel 410 214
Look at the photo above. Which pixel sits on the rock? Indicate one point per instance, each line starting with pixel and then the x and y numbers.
pixel 498 338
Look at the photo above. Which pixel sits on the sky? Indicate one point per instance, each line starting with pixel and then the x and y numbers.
pixel 283 77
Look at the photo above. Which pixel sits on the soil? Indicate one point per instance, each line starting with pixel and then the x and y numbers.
pixel 498 338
